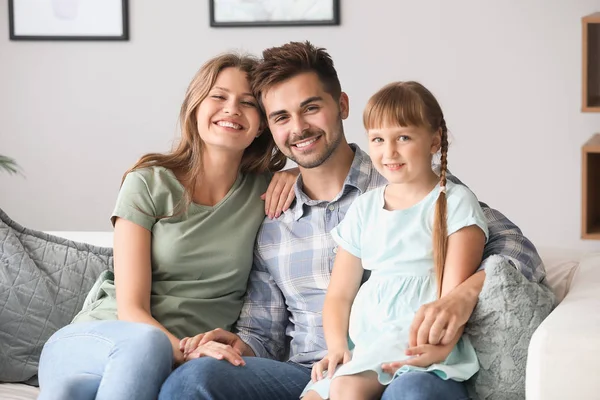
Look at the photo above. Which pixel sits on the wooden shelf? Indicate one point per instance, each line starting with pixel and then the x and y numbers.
pixel 591 63
pixel 590 185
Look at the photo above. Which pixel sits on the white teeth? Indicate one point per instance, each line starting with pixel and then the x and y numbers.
pixel 304 144
pixel 228 124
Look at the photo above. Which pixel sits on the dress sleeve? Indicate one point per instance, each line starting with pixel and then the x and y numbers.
pixel 347 233
pixel 134 202
pixel 464 210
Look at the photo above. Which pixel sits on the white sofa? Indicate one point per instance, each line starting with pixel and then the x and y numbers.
pixel 562 354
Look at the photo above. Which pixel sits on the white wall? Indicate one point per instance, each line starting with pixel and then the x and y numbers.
pixel 507 73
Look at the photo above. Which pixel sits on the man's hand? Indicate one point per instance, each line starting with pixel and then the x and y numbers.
pixel 423 356
pixel 219 344
pixel 438 322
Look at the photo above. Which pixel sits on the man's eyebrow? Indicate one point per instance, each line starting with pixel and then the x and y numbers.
pixel 227 90
pixel 304 103
pixel 310 100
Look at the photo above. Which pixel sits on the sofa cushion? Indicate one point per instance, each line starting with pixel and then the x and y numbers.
pixel 509 310
pixel 44 280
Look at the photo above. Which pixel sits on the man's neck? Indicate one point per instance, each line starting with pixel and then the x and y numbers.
pixel 326 181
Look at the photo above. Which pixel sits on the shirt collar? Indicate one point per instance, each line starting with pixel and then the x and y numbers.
pixel 358 177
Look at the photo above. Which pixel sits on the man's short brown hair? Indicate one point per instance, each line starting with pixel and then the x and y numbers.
pixel 294 58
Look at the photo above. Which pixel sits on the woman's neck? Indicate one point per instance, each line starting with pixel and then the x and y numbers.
pixel 219 172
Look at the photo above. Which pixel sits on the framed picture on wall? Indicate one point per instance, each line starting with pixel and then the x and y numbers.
pixel 68 19
pixel 244 13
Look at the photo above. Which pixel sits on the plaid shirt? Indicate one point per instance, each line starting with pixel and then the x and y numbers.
pixel 294 255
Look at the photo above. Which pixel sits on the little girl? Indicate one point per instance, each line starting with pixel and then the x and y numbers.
pixel 420 236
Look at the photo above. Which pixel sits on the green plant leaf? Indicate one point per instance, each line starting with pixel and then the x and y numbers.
pixel 9 165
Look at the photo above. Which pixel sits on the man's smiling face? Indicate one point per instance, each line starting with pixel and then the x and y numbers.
pixel 305 120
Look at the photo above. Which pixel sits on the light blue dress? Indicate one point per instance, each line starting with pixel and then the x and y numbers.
pixel 397 247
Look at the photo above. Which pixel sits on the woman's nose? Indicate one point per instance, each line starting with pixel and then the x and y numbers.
pixel 231 107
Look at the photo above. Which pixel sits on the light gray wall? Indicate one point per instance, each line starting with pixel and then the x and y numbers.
pixel 507 73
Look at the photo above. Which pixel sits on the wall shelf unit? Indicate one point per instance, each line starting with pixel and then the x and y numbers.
pixel 591 63
pixel 590 184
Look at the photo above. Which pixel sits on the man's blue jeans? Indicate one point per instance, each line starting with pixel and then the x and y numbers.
pixel 105 360
pixel 262 379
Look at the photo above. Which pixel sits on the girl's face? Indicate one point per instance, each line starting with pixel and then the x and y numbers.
pixel 403 154
pixel 228 118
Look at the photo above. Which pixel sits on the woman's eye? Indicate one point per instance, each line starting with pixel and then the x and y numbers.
pixel 248 103
pixel 216 96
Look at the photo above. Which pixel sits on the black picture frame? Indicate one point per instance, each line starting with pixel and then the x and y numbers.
pixel 13 35
pixel 335 20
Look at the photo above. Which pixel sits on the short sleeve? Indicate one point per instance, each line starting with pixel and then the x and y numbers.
pixel 347 233
pixel 134 202
pixel 464 210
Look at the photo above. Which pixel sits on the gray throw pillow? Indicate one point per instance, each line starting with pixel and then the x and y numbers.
pixel 43 282
pixel 509 310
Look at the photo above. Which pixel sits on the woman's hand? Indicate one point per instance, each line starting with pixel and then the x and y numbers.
pixel 192 348
pixel 330 363
pixel 280 193
pixel 422 356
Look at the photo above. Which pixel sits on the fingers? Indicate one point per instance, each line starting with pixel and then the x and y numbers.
pixel 331 365
pixel 424 329
pixel 182 343
pixel 216 335
pixel 192 343
pixel 438 328
pixel 347 357
pixel 414 327
pixel 290 198
pixel 274 209
pixel 451 331
pixel 391 368
pixel 218 351
pixel 283 197
pixel 317 371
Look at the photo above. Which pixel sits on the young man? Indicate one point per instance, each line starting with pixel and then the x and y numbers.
pixel 299 91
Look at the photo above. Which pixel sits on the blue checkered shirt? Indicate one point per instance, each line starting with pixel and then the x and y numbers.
pixel 282 313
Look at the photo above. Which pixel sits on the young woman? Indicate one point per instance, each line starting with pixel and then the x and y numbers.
pixel 185 224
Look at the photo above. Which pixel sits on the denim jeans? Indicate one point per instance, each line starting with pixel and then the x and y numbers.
pixel 262 379
pixel 105 360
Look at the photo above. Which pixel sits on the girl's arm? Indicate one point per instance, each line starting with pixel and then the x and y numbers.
pixel 133 277
pixel 345 281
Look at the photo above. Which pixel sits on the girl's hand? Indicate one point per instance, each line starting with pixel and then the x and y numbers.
pixel 280 193
pixel 329 363
pixel 423 356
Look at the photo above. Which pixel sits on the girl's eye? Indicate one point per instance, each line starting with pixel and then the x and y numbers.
pixel 248 103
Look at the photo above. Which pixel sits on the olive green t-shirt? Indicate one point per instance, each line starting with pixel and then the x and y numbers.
pixel 201 259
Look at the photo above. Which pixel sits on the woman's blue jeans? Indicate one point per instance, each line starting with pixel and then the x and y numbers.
pixel 105 360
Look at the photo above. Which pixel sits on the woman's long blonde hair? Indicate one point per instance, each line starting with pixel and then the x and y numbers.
pixel 411 104
pixel 186 158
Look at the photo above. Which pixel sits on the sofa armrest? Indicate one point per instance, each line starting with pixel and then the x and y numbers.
pixel 563 354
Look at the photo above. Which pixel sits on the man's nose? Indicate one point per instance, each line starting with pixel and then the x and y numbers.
pixel 299 125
